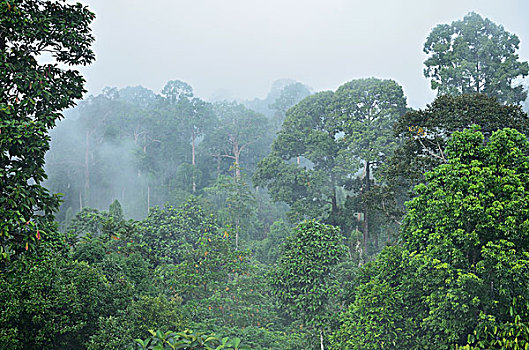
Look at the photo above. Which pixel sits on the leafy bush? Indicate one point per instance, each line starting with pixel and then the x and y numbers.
pixel 188 340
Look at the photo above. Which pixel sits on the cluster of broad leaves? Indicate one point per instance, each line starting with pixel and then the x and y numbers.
pixel 188 340
pixel 459 277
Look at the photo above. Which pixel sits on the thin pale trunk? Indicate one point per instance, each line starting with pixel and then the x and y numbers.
pixel 366 218
pixel 368 187
pixel 87 165
pixel 236 153
pixel 193 159
pixel 81 200
pixel 86 161
pixel 321 339
pixel 136 136
pixel 297 160
pixel 148 198
pixel 477 74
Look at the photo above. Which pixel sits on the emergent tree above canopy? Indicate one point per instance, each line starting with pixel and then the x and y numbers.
pixel 475 55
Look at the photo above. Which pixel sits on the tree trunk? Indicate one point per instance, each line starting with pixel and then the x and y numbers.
pixel 87 165
pixel 236 154
pixel 367 187
pixel 193 159
pixel 334 205
pixel 321 339
pixel 148 198
pixel 477 75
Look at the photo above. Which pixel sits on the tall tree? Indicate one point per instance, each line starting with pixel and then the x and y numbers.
pixel 197 118
pixel 366 110
pixel 324 141
pixel 32 96
pixel 302 169
pixel 176 90
pixel 194 115
pixel 240 136
pixel 475 55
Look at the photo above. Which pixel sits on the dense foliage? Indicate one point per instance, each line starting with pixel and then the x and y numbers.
pixel 303 279
pixel 464 256
pixel 475 55
pixel 261 224
pixel 32 96
pixel 325 140
pixel 424 134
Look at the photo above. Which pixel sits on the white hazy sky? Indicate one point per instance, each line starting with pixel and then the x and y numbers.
pixel 244 45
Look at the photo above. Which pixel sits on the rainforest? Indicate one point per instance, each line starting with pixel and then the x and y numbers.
pixel 307 218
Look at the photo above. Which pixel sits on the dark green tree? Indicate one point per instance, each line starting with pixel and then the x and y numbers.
pixel 424 134
pixel 169 232
pixel 142 314
pixel 475 55
pixel 366 110
pixel 464 258
pixel 32 96
pixel 302 168
pixel 316 160
pixel 382 310
pixel 56 304
pixel 303 279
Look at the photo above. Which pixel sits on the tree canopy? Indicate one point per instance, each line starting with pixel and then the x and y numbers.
pixel 475 55
pixel 424 133
pixel 212 261
pixel 302 280
pixel 465 250
pixel 325 141
pixel 32 96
